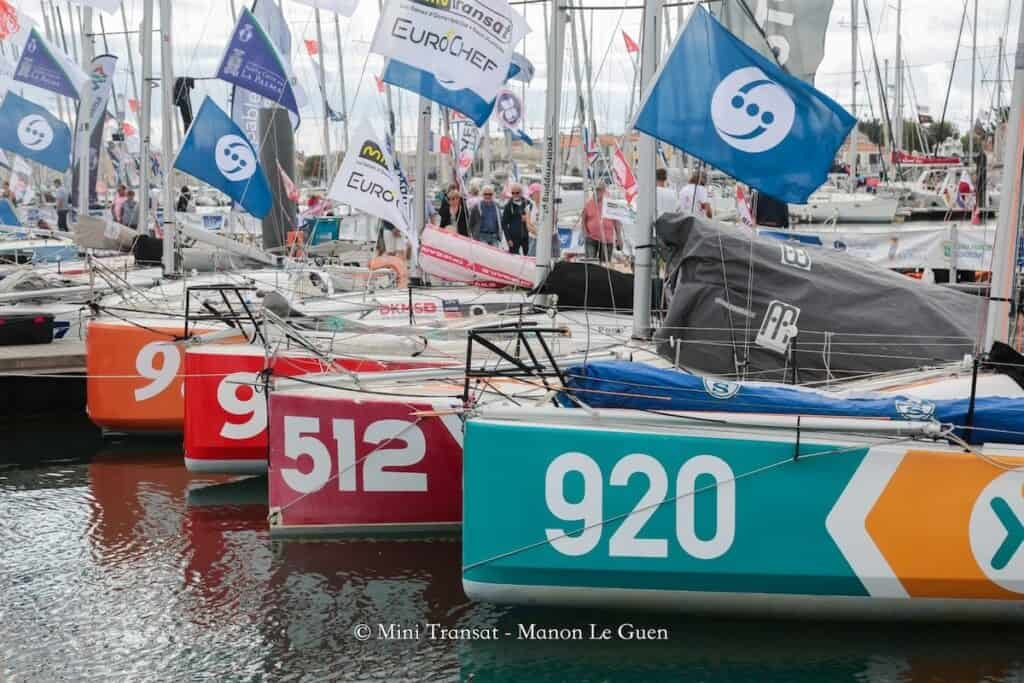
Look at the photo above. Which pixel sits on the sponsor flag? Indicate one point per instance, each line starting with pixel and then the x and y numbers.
pixel 34 133
pixel 469 140
pixel 217 152
pixel 108 6
pixel 794 37
pixel 623 174
pixel 465 47
pixel 290 190
pixel 252 61
pixel 590 147
pixel 345 8
pixel 101 81
pixel 521 68
pixel 631 45
pixel 743 114
pixel 743 208
pixel 509 110
pixel 312 47
pixel 245 104
pixel 8 216
pixel 368 182
pixel 46 67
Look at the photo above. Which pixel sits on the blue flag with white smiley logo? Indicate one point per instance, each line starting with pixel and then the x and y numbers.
pixel 217 152
pixel 32 132
pixel 720 101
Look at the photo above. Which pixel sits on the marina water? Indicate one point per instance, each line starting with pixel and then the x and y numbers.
pixel 117 564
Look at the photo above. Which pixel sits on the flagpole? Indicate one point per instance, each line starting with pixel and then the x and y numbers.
pixel 167 126
pixel 341 79
pixel 645 184
pixel 1004 261
pixel 852 153
pixel 420 189
pixel 577 18
pixel 549 221
pixel 84 118
pixel 328 170
pixel 146 122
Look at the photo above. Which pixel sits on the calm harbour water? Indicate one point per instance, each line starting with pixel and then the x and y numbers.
pixel 116 564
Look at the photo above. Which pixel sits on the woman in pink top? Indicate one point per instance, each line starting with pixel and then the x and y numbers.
pixel 603 235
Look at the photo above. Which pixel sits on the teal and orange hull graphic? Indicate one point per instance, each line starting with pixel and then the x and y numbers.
pixel 740 520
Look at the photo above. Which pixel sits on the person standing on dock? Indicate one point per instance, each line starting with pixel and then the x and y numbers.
pixel 118 204
pixel 516 218
pixel 603 235
pixel 130 211
pixel 485 220
pixel 60 203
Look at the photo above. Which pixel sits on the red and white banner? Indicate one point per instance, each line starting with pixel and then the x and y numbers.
pixel 455 258
pixel 623 173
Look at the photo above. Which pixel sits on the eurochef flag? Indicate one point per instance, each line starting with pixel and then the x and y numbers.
pixel 367 181
pixel 465 44
pixel 742 114
pixel 345 8
pixel 217 152
pixel 253 62
pixel 34 133
pixel 46 67
pixel 464 100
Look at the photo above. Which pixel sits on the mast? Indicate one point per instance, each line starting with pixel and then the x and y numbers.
pixel 646 212
pixel 146 123
pixel 50 37
pixel 1004 252
pixel 328 170
pixel 974 68
pixel 577 18
pixel 84 116
pixel 852 152
pixel 897 143
pixel 167 126
pixel 552 141
pixel 422 142
pixel 341 79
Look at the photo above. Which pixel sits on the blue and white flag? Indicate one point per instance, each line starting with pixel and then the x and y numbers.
pixel 34 133
pixel 8 215
pixel 253 62
pixel 46 67
pixel 217 152
pixel 521 68
pixel 464 100
pixel 742 114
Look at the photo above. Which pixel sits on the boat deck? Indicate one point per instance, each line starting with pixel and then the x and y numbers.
pixel 42 359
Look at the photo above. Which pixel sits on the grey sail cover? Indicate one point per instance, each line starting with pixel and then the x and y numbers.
pixel 751 307
pixel 795 30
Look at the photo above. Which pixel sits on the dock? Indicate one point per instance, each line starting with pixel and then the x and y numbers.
pixel 43 359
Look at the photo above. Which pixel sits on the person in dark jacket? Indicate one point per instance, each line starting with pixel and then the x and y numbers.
pixel 454 214
pixel 485 221
pixel 515 218
pixel 184 199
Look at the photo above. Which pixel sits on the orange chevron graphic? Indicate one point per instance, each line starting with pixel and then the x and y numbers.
pixel 937 510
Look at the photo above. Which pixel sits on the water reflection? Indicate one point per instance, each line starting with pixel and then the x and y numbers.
pixel 117 563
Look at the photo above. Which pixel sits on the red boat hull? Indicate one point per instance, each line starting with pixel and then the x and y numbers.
pixel 226 409
pixel 363 463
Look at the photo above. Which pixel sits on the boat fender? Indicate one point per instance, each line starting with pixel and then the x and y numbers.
pixel 395 264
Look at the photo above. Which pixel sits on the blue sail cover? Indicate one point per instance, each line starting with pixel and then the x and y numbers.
pixel 621 384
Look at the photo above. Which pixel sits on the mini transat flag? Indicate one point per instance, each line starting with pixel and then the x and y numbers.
pixel 742 114
pixel 368 181
pixel 217 152
pixel 33 132
pixel 631 45
pixel 252 61
pixel 46 67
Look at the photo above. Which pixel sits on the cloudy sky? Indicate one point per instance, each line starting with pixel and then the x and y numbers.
pixel 930 29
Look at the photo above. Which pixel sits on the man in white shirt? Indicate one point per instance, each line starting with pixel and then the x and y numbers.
pixel 694 199
pixel 665 199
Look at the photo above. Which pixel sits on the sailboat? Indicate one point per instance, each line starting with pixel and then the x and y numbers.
pixel 663 489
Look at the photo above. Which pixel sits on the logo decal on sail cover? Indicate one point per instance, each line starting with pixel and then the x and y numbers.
pixel 720 389
pixel 913 409
pixel 751 112
pixel 34 132
pixel 235 159
pixel 778 327
pixel 795 256
pixel 371 151
pixel 997 531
